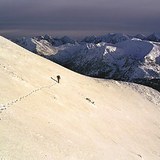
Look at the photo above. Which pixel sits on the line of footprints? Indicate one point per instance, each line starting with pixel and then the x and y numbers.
pixel 5 106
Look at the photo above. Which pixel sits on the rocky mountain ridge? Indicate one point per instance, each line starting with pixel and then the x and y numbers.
pixel 112 56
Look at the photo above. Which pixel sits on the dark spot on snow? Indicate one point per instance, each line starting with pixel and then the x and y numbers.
pixel 139 155
pixel 88 99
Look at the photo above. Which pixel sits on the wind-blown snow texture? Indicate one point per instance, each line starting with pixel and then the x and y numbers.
pixel 113 56
pixel 79 118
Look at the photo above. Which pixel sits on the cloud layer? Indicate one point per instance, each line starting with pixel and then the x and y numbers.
pixel 75 17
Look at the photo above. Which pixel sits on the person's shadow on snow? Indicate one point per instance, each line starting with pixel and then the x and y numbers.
pixel 56 80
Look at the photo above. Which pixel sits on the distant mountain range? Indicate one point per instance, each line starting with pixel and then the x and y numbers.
pixel 112 56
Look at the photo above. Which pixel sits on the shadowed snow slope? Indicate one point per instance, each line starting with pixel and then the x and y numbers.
pixel 80 118
pixel 127 60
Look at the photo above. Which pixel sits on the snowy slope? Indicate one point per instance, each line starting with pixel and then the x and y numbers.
pixel 43 45
pixel 80 118
pixel 37 45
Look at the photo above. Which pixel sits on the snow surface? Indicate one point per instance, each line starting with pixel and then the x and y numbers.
pixel 37 45
pixel 80 118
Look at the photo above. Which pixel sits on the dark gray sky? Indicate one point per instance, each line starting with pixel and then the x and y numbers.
pixel 78 17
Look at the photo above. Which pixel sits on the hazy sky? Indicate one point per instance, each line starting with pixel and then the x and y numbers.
pixel 78 17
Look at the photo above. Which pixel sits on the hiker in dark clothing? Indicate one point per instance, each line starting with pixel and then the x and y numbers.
pixel 58 78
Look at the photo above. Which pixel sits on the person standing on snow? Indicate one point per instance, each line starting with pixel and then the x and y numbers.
pixel 58 78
